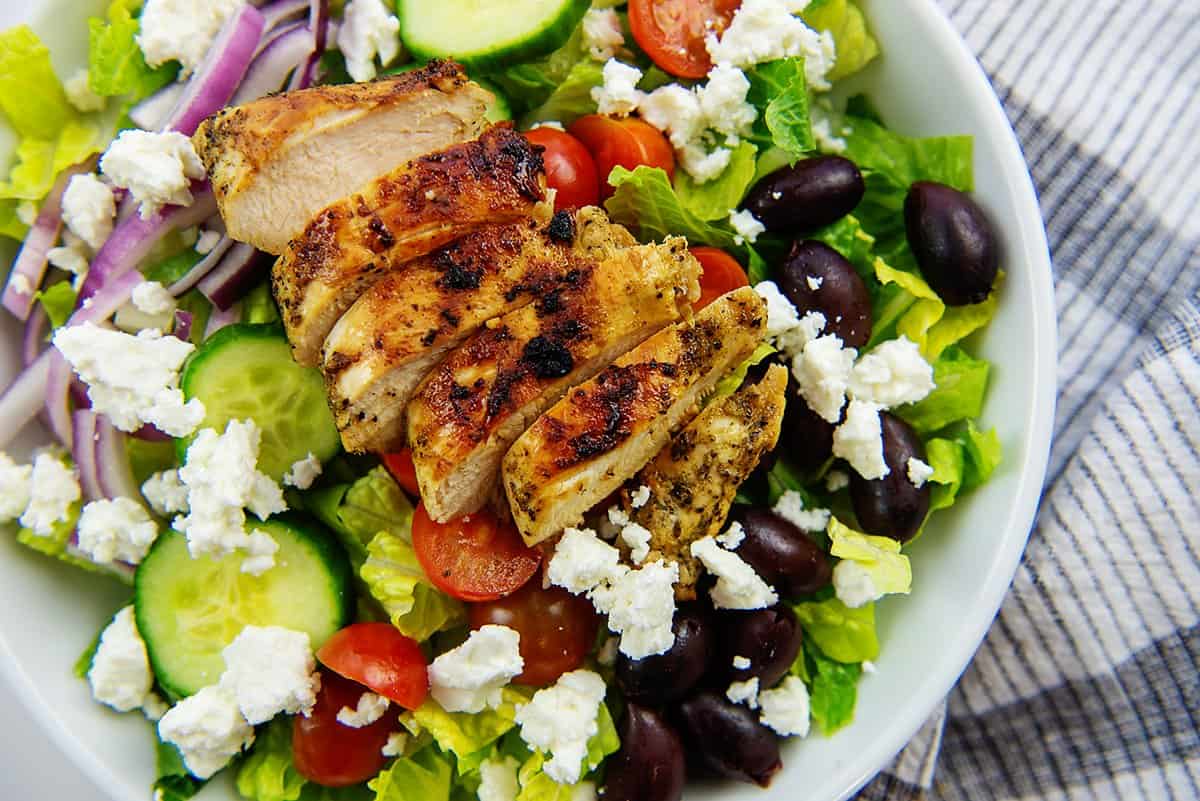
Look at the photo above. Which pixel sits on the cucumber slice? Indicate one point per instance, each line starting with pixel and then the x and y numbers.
pixel 247 372
pixel 486 33
pixel 189 609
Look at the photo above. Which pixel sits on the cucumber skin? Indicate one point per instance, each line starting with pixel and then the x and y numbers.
pixel 546 41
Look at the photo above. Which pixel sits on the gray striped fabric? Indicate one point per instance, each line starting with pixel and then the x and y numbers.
pixel 1087 686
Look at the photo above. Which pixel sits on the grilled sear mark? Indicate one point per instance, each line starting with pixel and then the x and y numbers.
pixel 487 391
pixel 605 430
pixel 277 161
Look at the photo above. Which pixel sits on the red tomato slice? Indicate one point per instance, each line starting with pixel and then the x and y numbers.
pixel 569 168
pixel 721 274
pixel 557 629
pixel 672 31
pixel 328 753
pixel 379 656
pixel 476 557
pixel 400 465
pixel 627 142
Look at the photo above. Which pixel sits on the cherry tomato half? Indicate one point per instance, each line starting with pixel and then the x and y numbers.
pixel 626 142
pixel 476 557
pixel 557 629
pixel 379 656
pixel 672 31
pixel 328 753
pixel 569 168
pixel 400 465
pixel 721 274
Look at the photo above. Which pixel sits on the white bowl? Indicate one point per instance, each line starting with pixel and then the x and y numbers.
pixel 926 83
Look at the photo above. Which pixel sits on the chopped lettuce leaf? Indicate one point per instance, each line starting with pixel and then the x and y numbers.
pixel 961 382
pixel 983 452
pixel 147 457
pixel 779 92
pixel 55 545
pixel 39 160
pixel 646 202
pixel 605 741
pixel 267 772
pixel 529 85
pixel 58 301
pixel 259 307
pixel 714 200
pixel 173 782
pixel 832 689
pixel 889 569
pixel 844 20
pixel 469 736
pixel 537 786
pixel 923 317
pixel 893 162
pixel 847 237
pixel 845 634
pixel 946 458
pixel 115 62
pixel 729 383
pixel 10 224
pixel 395 579
pixel 571 99
pixel 31 95
pixel 201 309
pixel 425 776
pixel 83 665
pixel 358 511
pixel 172 268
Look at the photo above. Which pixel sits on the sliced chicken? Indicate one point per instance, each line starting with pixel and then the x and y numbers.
pixel 406 213
pixel 396 333
pixel 277 161
pixel 605 430
pixel 483 396
pixel 694 480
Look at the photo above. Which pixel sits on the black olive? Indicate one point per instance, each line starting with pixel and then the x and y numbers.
pixel 667 677
pixel 769 638
pixel 806 437
pixel 953 241
pixel 781 553
pixel 650 765
pixel 815 277
pixel 807 195
pixel 728 740
pixel 892 506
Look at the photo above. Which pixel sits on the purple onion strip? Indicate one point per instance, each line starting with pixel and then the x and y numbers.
pixel 83 451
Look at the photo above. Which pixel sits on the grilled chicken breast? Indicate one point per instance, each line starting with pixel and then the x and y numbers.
pixel 394 334
pixel 694 480
pixel 410 211
pixel 604 431
pixel 277 161
pixel 482 397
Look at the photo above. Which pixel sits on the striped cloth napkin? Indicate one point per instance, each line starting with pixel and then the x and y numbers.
pixel 1087 686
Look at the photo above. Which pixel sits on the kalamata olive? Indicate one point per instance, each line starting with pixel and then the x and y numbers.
pixel 807 195
pixel 768 638
pixel 892 506
pixel 781 553
pixel 727 739
pixel 815 277
pixel 953 242
pixel 650 765
pixel 670 676
pixel 806 437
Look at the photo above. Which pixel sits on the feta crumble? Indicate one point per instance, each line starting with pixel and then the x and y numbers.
pixel 120 673
pixel 859 440
pixel 152 298
pixel 560 719
pixel 640 605
pixel 602 34
pixel 368 31
pixel 785 708
pixel 674 110
pixel 741 663
pixel 637 538
pixel 208 729
pixel 53 489
pixel 747 226
pixel 165 493
pixel 827 140
pixel 80 94
pixel 607 655
pixel 868 666
pixel 790 507
pixel 206 241
pixel 853 584
pixel 767 30
pixel 619 93
pixel 469 678
pixel 16 486
pixel 498 779
pixel 397 741
pixel 88 209
pixel 837 480
pixel 582 561
pixel 814 282
pixel 738 586
pixel 132 379
pixel 733 536
pixel 640 497
pixel 303 472
pixel 117 530
pixel 71 256
pixel 822 370
pixel 723 103
pixel 702 164
pixel 20 283
pixel 182 30
pixel 370 708
pixel 156 168
pixel 918 472
pixel 744 692
pixel 892 374
pixel 271 670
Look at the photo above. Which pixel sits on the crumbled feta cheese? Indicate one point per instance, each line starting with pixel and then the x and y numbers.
pixel 674 110
pixel 80 94
pixel 154 707
pixel 823 369
pixel 744 692
pixel 637 538
pixel 859 440
pixel 206 241
pixel 132 379
pixel 704 165
pixel 814 282
pixel 27 212
pixel 785 708
pixel 208 729
pixel 117 530
pixel 88 208
pixel 640 605
pixel 868 666
pixel 397 741
pixel 733 536
pixel 498 779
pixel 270 670
pixel 260 553
pixel 837 480
pixel 853 584
pixel 723 102
pixel 182 30
pixel 823 134
pixel 370 708
pixel 16 486
pixel 53 488
pixel 71 256
pixel 767 30
pixel 640 497
pixel 602 34
pixel 165 493
pixel 367 31
pixel 582 561
pixel 918 472
pixel 560 719
pixel 892 374
pixel 790 507
pixel 151 297
pixel 469 678
pixel 607 655
pixel 156 168
pixel 741 663
pixel 555 124
pixel 303 472
pixel 747 226
pixel 120 673
pixel 619 93
pixel 810 327
pixel 20 282
pixel 738 586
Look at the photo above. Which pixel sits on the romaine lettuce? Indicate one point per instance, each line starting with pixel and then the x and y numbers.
pixel 115 62
pixel 174 782
pixel 961 382
pixel 730 382
pixel 844 20
pixel 646 202
pixel 468 736
pixel 832 688
pixel 880 557
pixel 395 579
pixel 715 199
pixel 267 772
pixel 31 95
pixel 425 776
pixel 358 511
pixel 58 301
pixel 571 99
pixel 845 634
pixel 537 786
pixel 921 315
pixel 55 544
pixel 779 92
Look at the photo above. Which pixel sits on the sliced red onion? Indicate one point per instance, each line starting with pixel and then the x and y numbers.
pixel 318 22
pixel 241 269
pixel 183 324
pixel 284 55
pixel 280 11
pixel 221 318
pixel 24 397
pixel 83 451
pixel 202 268
pixel 57 399
pixel 112 462
pixel 33 340
pixel 218 76
pixel 153 113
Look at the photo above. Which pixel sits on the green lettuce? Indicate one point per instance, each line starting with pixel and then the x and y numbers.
pixel 537 786
pixel 259 307
pixel 170 269
pixel 571 99
pixel 844 20
pixel 267 772
pixel 880 557
pixel 983 454
pixel 58 301
pixel 920 314
pixel 961 463
pixel 832 688
pixel 779 92
pixel 396 580
pixel 848 238
pixel 83 665
pixel 730 382
pixel 646 202
pixel 425 776
pixel 31 95
pixel 116 65
pixel 892 162
pixel 961 383
pixel 468 736
pixel 845 634
pixel 358 511
pixel 173 781
pixel 715 199
pixel 528 85
pixel 54 544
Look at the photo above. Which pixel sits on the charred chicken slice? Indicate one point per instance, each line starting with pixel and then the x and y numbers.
pixel 276 162
pixel 694 480
pixel 483 396
pixel 604 431
pixel 394 334
pixel 406 213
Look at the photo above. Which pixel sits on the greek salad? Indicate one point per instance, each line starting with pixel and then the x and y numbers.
pixel 321 620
